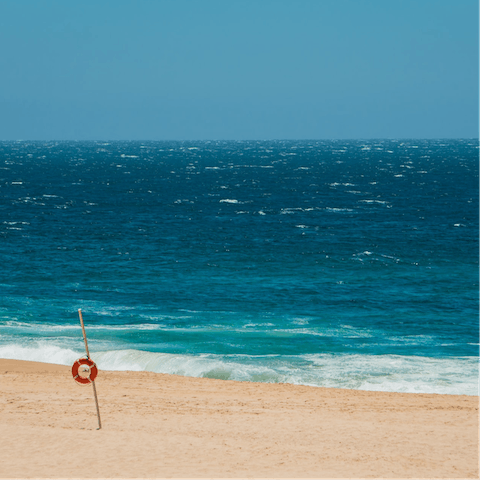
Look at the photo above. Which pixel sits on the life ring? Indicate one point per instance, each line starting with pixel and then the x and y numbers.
pixel 84 371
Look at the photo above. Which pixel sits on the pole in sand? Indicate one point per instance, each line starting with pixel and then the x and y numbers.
pixel 85 371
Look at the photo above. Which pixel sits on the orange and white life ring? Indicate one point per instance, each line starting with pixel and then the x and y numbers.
pixel 84 371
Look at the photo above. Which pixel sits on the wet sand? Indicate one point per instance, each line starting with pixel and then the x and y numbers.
pixel 157 426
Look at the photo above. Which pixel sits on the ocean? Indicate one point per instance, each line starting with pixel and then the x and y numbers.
pixel 347 264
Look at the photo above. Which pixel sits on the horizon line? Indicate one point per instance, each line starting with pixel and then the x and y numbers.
pixel 359 139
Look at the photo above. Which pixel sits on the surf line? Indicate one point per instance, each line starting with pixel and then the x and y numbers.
pixel 84 370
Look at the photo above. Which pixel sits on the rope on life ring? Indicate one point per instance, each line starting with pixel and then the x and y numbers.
pixel 84 371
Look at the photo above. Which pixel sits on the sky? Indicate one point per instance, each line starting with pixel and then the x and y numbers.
pixel 238 69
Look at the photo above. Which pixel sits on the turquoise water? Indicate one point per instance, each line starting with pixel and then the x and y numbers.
pixel 341 264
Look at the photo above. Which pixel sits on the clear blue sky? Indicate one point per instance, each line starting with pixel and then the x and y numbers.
pixel 238 69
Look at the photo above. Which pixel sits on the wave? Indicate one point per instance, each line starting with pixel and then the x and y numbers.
pixel 12 327
pixel 336 210
pixel 55 327
pixel 390 373
pixel 43 352
pixel 381 202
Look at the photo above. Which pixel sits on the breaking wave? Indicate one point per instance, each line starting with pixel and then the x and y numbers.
pixel 389 373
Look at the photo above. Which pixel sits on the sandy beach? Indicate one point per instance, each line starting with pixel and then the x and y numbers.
pixel 158 426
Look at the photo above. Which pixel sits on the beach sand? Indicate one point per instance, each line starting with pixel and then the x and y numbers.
pixel 158 426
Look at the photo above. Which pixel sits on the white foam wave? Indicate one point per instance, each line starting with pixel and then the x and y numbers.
pixel 292 210
pixel 52 327
pixel 338 210
pixel 391 373
pixel 43 352
pixel 395 373
pixel 382 202
pixel 377 257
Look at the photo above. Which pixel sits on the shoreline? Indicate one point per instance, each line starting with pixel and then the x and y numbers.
pixel 167 426
pixel 372 373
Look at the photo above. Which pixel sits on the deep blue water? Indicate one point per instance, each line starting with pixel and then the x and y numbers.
pixel 333 263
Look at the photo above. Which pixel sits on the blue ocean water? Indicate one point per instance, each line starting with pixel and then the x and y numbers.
pixel 350 264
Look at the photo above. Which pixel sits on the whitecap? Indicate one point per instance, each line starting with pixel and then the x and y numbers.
pixel 338 210
pixel 382 202
pixel 288 211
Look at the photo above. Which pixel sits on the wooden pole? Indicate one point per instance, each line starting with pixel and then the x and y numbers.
pixel 88 356
pixel 96 403
pixel 83 330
